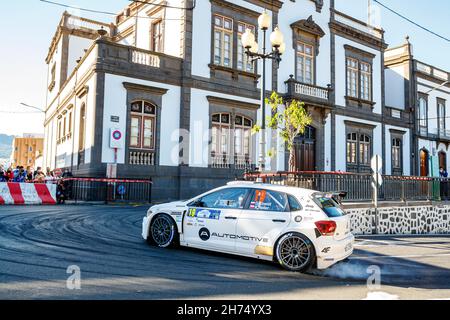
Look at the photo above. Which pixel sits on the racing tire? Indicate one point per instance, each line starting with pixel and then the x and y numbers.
pixel 163 232
pixel 295 252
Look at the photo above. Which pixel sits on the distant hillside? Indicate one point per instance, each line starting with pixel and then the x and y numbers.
pixel 5 145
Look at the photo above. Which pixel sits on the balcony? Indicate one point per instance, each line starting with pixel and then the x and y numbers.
pixel 224 161
pixel 308 93
pixel 142 158
pixel 436 133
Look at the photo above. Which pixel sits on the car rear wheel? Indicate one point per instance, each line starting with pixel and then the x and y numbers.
pixel 295 252
pixel 163 231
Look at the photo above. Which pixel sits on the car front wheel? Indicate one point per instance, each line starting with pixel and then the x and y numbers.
pixel 163 231
pixel 295 252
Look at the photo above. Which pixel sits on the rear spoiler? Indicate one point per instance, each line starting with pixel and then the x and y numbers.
pixel 337 196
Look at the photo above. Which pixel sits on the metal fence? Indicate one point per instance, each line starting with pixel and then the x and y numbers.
pixel 360 187
pixel 107 190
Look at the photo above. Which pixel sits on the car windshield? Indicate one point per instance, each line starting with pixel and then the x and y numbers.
pixel 328 205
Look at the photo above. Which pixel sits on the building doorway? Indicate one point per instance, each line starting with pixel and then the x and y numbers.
pixel 424 163
pixel 305 150
pixel 443 160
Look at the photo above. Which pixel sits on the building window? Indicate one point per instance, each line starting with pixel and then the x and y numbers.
pixel 441 115
pixel 396 154
pixel 366 76
pixel 244 63
pixel 82 127
pixel 364 150
pixel 143 120
pixel 70 122
pixel 305 63
pixel 423 127
pixel 242 137
pixel 221 125
pixel 157 36
pixel 352 143
pixel 359 79
pixel 223 41
pixel 359 151
pixel 352 77
pixel 30 149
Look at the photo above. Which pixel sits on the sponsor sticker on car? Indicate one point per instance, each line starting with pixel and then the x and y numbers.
pixel 204 213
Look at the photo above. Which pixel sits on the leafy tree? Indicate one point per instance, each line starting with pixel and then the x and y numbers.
pixel 290 121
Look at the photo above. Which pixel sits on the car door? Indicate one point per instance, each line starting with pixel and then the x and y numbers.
pixel 264 217
pixel 210 222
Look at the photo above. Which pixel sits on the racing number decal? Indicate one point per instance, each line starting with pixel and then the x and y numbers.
pixel 260 196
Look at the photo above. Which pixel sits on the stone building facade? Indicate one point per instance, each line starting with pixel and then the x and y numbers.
pixel 179 87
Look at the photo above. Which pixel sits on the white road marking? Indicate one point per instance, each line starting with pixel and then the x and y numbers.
pixel 408 256
pixel 380 296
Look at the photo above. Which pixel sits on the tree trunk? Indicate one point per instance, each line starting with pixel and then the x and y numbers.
pixel 292 166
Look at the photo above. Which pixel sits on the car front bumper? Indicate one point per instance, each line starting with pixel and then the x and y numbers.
pixel 331 251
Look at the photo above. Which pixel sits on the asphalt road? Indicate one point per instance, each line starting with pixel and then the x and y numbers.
pixel 38 244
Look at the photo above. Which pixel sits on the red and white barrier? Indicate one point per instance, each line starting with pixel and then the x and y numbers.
pixel 27 193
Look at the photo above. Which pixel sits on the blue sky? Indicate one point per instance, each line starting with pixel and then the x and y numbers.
pixel 30 26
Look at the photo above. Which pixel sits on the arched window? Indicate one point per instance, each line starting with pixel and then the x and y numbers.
pixel 359 151
pixel 143 125
pixel 242 136
pixel 221 125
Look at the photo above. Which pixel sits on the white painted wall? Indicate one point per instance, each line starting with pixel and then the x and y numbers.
pixel 395 87
pixel 77 46
pixel 116 105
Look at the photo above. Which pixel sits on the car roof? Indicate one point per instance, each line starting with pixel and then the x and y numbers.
pixel 274 187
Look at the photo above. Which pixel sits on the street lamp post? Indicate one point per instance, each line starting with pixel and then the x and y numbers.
pixel 251 49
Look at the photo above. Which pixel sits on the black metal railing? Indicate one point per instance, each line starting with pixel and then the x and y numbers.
pixel 360 187
pixel 108 190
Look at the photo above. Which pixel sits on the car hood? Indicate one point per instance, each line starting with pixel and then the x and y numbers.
pixel 170 205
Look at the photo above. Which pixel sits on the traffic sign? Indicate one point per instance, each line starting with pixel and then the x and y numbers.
pixel 121 189
pixel 377 163
pixel 116 139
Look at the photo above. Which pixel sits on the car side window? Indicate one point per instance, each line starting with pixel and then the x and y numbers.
pixel 232 198
pixel 267 200
pixel 294 204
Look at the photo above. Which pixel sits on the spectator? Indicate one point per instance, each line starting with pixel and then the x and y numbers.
pixel 443 174
pixel 38 169
pixel 29 174
pixel 3 175
pixel 39 176
pixel 10 174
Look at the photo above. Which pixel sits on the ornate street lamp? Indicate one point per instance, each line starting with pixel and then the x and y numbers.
pixel 252 51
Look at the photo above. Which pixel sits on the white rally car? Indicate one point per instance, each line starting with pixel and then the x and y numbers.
pixel 299 228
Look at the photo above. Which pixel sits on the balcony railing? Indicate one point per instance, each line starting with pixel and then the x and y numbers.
pixel 145 58
pixel 359 186
pixel 438 133
pixel 308 92
pixel 223 161
pixel 432 71
pixel 358 25
pixel 75 22
pixel 142 158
